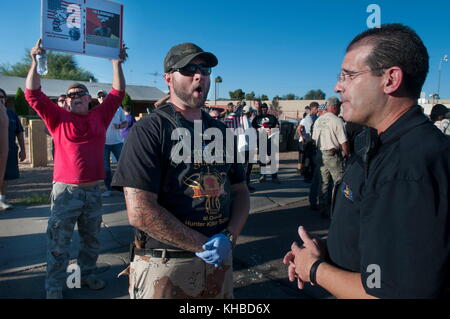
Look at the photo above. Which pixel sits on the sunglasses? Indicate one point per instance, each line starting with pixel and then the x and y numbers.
pixel 75 94
pixel 192 69
pixel 61 101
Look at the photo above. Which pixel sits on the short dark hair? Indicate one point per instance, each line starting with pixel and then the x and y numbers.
pixel 438 110
pixel 264 106
pixel 3 92
pixel 314 104
pixel 396 45
pixel 127 108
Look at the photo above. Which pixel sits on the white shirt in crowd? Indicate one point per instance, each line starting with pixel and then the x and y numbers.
pixel 112 134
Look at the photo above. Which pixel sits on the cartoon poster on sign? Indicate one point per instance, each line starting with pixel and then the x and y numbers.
pixel 62 25
pixel 91 27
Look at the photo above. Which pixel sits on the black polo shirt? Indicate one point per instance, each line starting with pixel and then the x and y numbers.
pixel 392 212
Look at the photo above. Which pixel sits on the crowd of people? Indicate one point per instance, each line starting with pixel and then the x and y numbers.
pixel 384 190
pixel 242 117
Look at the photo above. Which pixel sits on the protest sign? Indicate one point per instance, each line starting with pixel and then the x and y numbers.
pixel 90 27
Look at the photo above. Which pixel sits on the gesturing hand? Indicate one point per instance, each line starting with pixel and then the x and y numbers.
pixel 217 250
pixel 300 259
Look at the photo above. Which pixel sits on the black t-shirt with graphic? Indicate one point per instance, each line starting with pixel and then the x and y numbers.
pixel 198 194
pixel 270 119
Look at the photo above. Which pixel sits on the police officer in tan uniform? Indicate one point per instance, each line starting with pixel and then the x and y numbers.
pixel 332 146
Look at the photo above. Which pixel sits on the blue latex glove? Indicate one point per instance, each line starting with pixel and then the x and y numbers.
pixel 217 250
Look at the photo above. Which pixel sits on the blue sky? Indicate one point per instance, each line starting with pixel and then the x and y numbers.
pixel 269 47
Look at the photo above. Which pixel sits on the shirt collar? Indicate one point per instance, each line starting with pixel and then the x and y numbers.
pixel 414 117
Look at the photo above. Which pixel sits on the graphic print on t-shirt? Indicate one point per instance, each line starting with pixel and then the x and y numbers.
pixel 208 185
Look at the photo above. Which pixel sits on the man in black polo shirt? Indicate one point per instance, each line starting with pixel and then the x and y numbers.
pixel 389 235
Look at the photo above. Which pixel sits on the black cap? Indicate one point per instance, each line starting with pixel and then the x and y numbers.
pixel 78 86
pixel 182 54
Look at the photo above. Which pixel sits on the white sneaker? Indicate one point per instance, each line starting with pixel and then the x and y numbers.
pixel 4 206
pixel 107 194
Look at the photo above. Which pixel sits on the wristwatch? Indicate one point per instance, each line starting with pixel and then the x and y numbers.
pixel 229 235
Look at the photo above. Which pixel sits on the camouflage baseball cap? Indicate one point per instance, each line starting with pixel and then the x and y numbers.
pixel 182 54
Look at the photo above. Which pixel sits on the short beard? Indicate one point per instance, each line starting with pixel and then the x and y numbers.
pixel 188 99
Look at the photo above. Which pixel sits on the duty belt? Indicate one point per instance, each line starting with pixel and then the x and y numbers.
pixel 331 152
pixel 163 253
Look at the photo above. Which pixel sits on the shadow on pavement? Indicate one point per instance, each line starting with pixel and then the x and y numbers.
pixel 32 249
pixel 267 237
pixel 31 285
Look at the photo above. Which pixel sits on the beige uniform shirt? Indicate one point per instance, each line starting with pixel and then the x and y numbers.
pixel 329 132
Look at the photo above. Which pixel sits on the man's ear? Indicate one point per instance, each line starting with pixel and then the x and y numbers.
pixel 393 79
pixel 168 78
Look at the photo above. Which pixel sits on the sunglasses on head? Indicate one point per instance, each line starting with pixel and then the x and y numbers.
pixel 192 69
pixel 75 94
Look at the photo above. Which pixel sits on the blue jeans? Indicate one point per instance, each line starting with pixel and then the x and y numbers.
pixel 116 149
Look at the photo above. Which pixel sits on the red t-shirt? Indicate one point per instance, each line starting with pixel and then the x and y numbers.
pixel 79 139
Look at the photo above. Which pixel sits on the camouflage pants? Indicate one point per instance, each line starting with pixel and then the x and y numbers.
pixel 69 206
pixel 330 169
pixel 179 278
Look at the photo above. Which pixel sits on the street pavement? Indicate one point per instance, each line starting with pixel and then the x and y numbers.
pixel 276 213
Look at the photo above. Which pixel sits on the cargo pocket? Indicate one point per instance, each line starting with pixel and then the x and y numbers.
pixel 139 286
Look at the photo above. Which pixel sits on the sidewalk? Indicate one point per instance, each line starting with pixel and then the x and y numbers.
pixel 276 212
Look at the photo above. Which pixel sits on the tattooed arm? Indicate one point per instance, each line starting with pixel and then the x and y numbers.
pixel 240 206
pixel 147 215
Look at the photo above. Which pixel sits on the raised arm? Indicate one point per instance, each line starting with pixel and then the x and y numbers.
pixel 118 77
pixel 33 81
pixel 147 215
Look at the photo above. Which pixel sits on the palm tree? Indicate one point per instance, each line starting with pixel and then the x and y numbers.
pixel 217 81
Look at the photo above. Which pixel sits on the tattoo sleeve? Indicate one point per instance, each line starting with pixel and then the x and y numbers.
pixel 147 215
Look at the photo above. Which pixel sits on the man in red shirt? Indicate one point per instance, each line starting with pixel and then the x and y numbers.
pixel 79 135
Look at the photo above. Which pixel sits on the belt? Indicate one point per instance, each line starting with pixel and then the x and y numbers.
pixel 163 253
pixel 82 185
pixel 331 152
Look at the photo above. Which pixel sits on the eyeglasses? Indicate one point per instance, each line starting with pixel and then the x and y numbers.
pixel 342 77
pixel 192 69
pixel 61 101
pixel 72 95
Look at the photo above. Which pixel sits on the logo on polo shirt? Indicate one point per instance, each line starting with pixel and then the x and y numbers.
pixel 347 191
